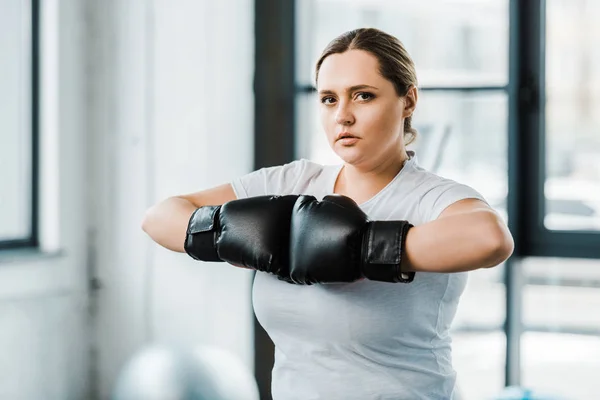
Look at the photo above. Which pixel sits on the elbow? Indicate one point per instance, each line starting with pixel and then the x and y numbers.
pixel 500 243
pixel 503 250
pixel 147 220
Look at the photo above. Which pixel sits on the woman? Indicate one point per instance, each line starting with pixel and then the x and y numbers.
pixel 364 339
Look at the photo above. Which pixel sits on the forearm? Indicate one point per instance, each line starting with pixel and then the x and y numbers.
pixel 456 243
pixel 166 222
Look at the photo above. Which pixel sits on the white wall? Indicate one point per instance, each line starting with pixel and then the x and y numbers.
pixel 171 111
pixel 43 297
pixel 142 100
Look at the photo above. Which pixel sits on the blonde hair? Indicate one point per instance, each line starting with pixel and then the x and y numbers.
pixel 395 64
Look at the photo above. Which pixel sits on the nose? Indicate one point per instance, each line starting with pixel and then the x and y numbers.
pixel 344 115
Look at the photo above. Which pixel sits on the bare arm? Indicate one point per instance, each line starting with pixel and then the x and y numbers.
pixel 166 222
pixel 468 235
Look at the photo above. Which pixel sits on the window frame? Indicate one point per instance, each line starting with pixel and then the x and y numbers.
pixel 527 143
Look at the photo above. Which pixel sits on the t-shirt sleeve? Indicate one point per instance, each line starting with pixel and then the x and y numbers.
pixel 278 180
pixel 444 194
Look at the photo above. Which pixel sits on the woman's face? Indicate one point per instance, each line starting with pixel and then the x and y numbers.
pixel 361 113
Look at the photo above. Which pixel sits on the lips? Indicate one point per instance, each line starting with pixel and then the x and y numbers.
pixel 346 139
pixel 345 135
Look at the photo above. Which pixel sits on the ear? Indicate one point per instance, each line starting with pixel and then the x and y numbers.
pixel 410 101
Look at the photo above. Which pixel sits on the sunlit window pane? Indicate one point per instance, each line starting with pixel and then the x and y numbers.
pixel 572 115
pixel 478 359
pixel 561 299
pixel 15 120
pixel 453 43
pixel 564 365
pixel 562 295
pixel 463 136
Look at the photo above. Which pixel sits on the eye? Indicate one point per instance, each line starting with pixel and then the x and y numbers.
pixel 365 96
pixel 327 100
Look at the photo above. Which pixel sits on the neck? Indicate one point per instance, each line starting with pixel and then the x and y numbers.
pixel 361 183
pixel 383 171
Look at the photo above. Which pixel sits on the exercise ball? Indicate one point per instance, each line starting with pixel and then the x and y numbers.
pixel 161 372
pixel 520 393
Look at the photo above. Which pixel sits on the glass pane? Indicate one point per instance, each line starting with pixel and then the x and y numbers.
pixel 463 136
pixel 453 43
pixel 561 299
pixel 15 115
pixel 310 141
pixel 562 295
pixel 561 364
pixel 478 359
pixel 572 186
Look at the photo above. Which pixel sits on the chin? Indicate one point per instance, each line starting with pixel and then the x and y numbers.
pixel 349 155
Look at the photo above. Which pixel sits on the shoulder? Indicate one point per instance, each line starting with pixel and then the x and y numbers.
pixel 433 193
pixel 303 165
pixel 280 179
pixel 423 181
pixel 301 169
pixel 293 168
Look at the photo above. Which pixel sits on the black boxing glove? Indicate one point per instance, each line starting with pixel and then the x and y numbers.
pixel 252 232
pixel 332 241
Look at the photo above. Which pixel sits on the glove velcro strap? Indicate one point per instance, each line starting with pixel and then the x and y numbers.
pixel 201 234
pixel 384 246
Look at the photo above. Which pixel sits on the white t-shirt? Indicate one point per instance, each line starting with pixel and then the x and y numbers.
pixel 363 340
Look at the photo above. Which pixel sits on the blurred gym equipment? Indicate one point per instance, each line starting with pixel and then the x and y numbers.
pixel 161 372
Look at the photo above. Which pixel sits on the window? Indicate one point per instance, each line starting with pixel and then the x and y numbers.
pixel 509 91
pixel 561 326
pixel 462 119
pixel 18 123
pixel 559 278
pixel 572 121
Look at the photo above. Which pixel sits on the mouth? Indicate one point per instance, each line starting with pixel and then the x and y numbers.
pixel 346 136
pixel 346 139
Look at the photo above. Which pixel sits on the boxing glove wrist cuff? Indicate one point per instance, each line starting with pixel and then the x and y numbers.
pixel 201 234
pixel 384 251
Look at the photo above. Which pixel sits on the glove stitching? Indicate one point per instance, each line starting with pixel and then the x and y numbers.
pixel 217 229
pixel 405 230
pixel 398 274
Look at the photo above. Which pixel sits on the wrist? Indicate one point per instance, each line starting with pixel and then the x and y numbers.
pixel 384 251
pixel 201 234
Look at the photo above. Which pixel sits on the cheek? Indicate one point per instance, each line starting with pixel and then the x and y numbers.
pixel 327 121
pixel 384 121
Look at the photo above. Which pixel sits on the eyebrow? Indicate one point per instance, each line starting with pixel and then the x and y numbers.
pixel 350 89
